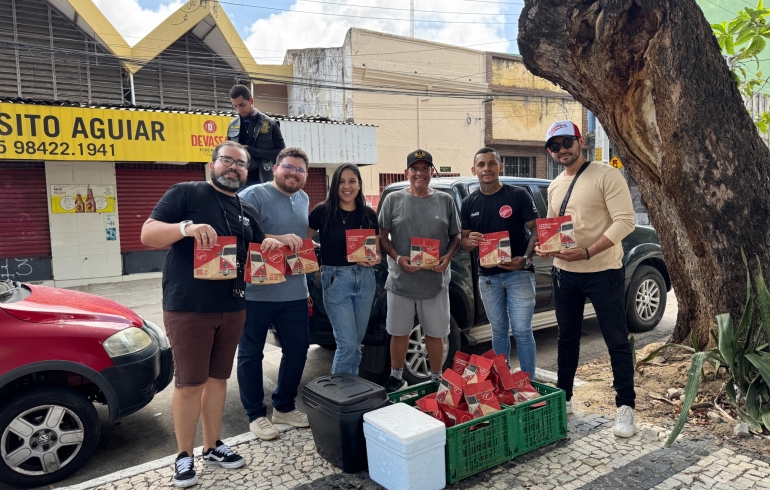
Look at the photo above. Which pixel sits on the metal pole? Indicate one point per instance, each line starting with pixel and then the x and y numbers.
pixel 133 92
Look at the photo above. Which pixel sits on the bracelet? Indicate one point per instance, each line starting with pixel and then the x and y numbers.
pixel 588 255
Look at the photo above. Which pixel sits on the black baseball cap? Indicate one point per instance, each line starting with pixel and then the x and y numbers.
pixel 419 156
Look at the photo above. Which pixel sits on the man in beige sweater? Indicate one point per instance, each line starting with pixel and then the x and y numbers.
pixel 602 215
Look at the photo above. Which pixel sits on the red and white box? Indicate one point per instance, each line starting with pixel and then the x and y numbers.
pixel 450 390
pixel 556 234
pixel 265 267
pixel 461 361
pixel 218 262
pixel 362 245
pixel 424 253
pixel 481 398
pixel 478 369
pixel 304 261
pixel 495 249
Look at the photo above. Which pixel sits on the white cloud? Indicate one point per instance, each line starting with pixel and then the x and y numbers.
pixel 271 37
pixel 131 20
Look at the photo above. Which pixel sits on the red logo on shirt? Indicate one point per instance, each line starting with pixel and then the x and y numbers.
pixel 506 211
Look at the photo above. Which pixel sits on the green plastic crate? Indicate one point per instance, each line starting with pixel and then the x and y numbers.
pixel 496 437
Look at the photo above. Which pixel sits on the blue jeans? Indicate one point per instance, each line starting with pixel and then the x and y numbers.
pixel 509 299
pixel 291 327
pixel 348 295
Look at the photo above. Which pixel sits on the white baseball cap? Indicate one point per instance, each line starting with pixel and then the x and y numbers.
pixel 562 128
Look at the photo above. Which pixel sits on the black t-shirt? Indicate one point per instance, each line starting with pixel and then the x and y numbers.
pixel 243 134
pixel 508 209
pixel 333 244
pixel 200 202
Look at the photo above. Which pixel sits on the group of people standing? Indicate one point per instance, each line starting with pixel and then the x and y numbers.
pixel 255 194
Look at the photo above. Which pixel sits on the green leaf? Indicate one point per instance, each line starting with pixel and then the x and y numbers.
pixel 766 416
pixel 726 341
pixel 694 341
pixel 730 390
pixel 752 398
pixel 729 45
pixel 745 36
pixel 748 310
pixel 751 421
pixel 690 390
pixel 719 28
pixel 762 363
pixel 763 299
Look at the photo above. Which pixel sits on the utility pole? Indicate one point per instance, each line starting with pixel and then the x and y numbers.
pixel 411 18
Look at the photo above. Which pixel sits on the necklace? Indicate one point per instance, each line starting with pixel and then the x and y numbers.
pixel 344 218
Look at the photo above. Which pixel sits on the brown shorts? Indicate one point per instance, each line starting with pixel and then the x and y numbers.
pixel 203 344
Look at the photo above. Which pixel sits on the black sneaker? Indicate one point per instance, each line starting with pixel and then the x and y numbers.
pixel 394 384
pixel 222 456
pixel 184 471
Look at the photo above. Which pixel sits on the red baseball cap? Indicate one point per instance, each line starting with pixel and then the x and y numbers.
pixel 562 128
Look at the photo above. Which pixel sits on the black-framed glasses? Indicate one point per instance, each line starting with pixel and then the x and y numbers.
pixel 229 161
pixel 566 144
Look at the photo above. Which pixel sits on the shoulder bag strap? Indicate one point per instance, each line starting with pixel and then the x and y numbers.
pixel 569 191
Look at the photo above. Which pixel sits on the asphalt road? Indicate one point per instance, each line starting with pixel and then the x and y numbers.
pixel 149 434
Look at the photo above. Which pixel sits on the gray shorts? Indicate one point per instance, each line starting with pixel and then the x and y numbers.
pixel 433 315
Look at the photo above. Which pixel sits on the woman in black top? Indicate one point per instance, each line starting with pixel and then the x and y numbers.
pixel 348 286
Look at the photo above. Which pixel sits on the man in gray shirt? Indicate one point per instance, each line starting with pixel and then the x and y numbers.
pixel 283 208
pixel 420 212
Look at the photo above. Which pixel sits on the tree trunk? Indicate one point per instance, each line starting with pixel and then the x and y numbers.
pixel 652 73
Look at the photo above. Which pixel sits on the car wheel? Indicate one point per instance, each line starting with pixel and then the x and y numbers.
pixel 46 435
pixel 646 300
pixel 416 367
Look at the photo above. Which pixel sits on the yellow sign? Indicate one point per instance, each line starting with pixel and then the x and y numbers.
pixel 598 156
pixel 615 162
pixel 42 132
pixel 67 199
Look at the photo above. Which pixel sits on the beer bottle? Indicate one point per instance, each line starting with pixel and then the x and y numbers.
pixel 79 206
pixel 90 203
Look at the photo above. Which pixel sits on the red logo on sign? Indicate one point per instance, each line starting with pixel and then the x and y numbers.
pixel 276 255
pixel 210 126
pixel 506 211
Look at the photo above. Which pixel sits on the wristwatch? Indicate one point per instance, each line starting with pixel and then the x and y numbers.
pixel 527 262
pixel 183 225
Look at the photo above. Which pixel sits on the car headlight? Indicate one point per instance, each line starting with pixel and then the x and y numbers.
pixel 127 341
pixel 159 333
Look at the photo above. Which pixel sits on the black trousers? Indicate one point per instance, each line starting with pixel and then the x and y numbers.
pixel 606 291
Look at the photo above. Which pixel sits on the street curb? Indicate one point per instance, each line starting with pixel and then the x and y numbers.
pixel 163 462
pixel 544 376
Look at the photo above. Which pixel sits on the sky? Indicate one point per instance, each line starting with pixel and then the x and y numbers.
pixel 270 27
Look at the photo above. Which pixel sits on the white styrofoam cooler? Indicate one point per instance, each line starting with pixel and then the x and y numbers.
pixel 405 448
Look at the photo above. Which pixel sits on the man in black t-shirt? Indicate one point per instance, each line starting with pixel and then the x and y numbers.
pixel 508 290
pixel 204 319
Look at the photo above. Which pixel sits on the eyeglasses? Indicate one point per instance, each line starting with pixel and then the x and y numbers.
pixel 424 170
pixel 292 168
pixel 566 143
pixel 229 161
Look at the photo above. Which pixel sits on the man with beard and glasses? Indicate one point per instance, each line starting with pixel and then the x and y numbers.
pixel 599 201
pixel 283 207
pixel 203 319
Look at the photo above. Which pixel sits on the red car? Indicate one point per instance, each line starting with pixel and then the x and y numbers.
pixel 61 351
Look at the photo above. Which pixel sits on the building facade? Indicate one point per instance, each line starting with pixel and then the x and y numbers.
pixel 93 132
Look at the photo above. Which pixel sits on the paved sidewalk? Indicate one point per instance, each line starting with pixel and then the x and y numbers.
pixel 591 458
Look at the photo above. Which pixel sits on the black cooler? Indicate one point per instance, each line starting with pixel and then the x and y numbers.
pixel 336 405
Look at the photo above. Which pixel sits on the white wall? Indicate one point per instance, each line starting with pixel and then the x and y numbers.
pixel 79 246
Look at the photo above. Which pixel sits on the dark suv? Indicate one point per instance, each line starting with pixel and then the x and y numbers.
pixel 647 282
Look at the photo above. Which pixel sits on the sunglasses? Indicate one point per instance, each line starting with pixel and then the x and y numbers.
pixel 566 144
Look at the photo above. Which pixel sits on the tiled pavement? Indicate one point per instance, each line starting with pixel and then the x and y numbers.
pixel 591 458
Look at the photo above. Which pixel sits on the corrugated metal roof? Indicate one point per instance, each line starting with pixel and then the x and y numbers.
pixel 175 110
pixel 211 35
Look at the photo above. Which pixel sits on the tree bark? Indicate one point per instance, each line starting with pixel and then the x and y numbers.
pixel 652 73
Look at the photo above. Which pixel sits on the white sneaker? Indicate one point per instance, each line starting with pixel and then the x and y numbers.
pixel 294 418
pixel 263 429
pixel 569 407
pixel 624 422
